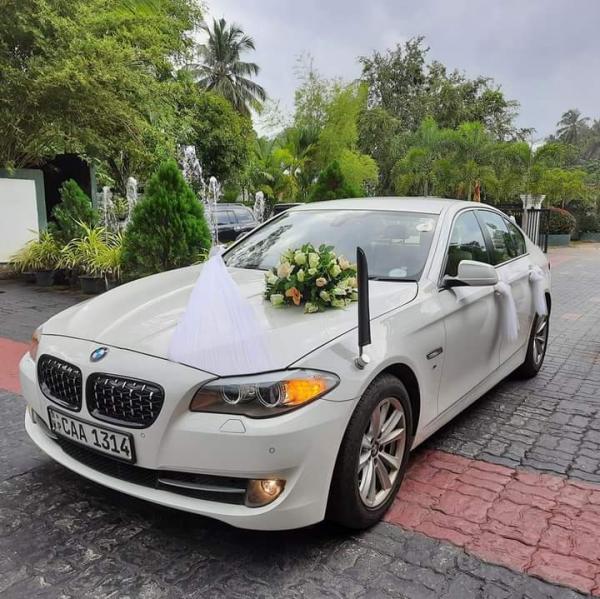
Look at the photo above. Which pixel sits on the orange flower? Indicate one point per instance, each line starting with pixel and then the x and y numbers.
pixel 294 294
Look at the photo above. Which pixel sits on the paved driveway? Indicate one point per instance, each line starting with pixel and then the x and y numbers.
pixel 504 502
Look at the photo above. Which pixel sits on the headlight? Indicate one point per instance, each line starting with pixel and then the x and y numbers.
pixel 263 395
pixel 35 341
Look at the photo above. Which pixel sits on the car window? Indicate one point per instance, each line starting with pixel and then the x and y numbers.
pixel 224 217
pixel 501 239
pixel 396 243
pixel 244 216
pixel 466 243
pixel 517 245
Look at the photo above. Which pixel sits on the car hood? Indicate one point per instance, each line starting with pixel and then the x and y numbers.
pixel 141 316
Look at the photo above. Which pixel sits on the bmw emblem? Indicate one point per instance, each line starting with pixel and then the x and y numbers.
pixel 98 354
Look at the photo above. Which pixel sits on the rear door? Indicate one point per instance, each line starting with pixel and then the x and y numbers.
pixel 509 255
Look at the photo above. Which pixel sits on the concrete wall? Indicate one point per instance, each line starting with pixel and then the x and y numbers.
pixel 22 209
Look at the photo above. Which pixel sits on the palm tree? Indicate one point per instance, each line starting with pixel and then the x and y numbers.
pixel 221 69
pixel 417 170
pixel 474 154
pixel 571 126
pixel 592 149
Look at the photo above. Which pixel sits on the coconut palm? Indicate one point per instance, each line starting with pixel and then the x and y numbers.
pixel 592 148
pixel 474 149
pixel 221 69
pixel 571 126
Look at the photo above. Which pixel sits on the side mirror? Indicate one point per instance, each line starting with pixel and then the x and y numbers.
pixel 473 274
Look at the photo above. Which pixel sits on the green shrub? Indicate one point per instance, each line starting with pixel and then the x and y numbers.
pixel 332 185
pixel 168 229
pixel 75 207
pixel 562 222
pixel 589 223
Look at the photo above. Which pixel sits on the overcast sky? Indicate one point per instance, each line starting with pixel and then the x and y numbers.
pixel 544 53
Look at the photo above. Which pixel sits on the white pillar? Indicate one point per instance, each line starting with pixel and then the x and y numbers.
pixel 531 218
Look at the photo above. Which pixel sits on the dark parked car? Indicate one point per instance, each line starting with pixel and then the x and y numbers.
pixel 233 220
pixel 279 208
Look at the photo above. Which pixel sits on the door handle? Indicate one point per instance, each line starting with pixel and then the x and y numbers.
pixel 435 353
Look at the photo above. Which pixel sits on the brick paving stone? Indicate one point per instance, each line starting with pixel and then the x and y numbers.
pixel 10 354
pixel 538 523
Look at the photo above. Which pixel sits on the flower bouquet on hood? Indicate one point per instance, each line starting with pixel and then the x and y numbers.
pixel 316 278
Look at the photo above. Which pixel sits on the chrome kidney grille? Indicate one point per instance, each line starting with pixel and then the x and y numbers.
pixel 60 382
pixel 123 401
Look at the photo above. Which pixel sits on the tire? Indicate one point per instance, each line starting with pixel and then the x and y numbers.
pixel 347 505
pixel 536 348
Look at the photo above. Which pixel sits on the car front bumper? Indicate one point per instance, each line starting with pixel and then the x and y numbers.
pixel 299 447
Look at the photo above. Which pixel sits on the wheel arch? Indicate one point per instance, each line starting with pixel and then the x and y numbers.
pixel 406 374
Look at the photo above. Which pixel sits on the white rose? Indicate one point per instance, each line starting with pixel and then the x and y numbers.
pixel 313 260
pixel 271 277
pixel 335 270
pixel 276 299
pixel 300 258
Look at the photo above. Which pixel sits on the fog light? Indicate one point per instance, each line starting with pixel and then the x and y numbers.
pixel 262 492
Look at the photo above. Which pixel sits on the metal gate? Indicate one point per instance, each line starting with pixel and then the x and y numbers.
pixel 534 221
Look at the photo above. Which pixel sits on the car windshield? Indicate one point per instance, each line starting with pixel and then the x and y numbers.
pixel 396 243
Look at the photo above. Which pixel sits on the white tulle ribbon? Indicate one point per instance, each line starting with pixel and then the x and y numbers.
pixel 219 331
pixel 509 318
pixel 536 277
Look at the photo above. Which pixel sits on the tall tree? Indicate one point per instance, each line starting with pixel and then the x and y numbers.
pixel 571 126
pixel 417 170
pixel 402 82
pixel 221 69
pixel 474 147
pixel 90 77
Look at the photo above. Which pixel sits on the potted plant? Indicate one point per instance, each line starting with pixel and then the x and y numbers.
pixel 40 256
pixel 589 227
pixel 21 262
pixel 96 256
pixel 109 260
pixel 562 223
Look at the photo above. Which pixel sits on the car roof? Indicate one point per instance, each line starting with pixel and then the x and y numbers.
pixel 428 205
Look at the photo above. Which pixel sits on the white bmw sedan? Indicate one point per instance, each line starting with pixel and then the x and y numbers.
pixel 105 401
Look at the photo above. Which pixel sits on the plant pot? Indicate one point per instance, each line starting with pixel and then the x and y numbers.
pixel 590 236
pixel 559 239
pixel 73 279
pixel 111 284
pixel 61 277
pixel 92 285
pixel 44 278
pixel 28 277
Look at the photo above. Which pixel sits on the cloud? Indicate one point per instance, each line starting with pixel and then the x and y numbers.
pixel 544 54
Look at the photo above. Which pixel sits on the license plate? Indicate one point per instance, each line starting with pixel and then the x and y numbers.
pixel 98 438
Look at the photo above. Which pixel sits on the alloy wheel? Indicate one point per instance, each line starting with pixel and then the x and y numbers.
pixel 540 339
pixel 382 449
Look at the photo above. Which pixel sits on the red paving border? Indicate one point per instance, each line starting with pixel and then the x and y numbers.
pixel 11 353
pixel 540 524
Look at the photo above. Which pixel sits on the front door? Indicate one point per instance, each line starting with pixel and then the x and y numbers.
pixel 471 317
